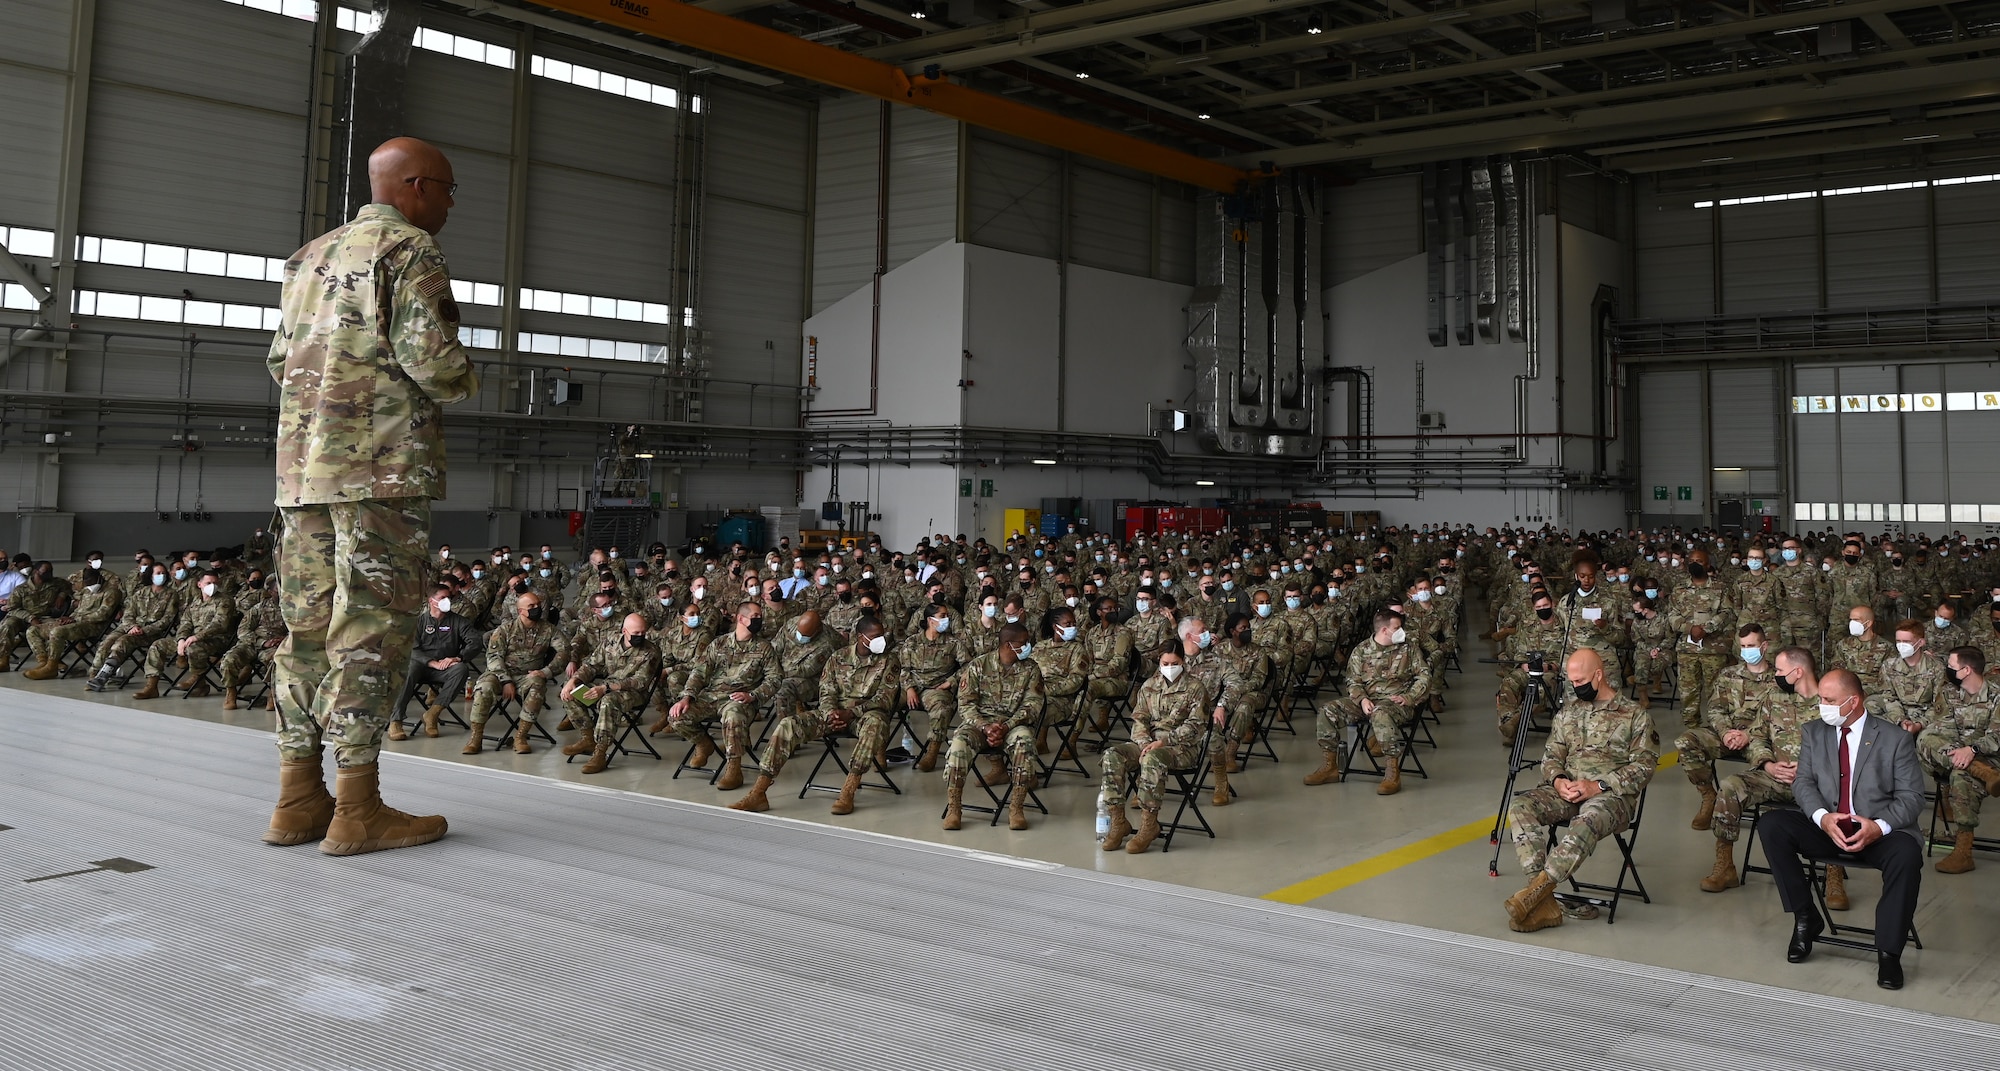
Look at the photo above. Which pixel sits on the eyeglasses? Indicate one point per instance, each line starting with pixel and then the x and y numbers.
pixel 450 188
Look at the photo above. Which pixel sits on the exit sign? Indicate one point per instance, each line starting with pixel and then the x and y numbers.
pixel 1686 493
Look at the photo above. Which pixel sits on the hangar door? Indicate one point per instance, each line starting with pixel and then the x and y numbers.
pixel 1913 446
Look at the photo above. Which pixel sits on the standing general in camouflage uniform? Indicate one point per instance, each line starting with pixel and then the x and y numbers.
pixel 204 632
pixel 734 675
pixel 97 602
pixel 1600 756
pixel 609 691
pixel 857 689
pixel 999 703
pixel 1773 754
pixel 522 656
pixel 366 353
pixel 1961 748
pixel 257 637
pixel 1386 677
pixel 1170 717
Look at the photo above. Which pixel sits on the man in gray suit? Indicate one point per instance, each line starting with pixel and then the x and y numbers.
pixel 1860 792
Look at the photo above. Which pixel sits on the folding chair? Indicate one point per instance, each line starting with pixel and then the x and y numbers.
pixel 832 742
pixel 261 679
pixel 74 661
pixel 1055 763
pixel 1747 833
pixel 1120 714
pixel 1260 735
pixel 1866 939
pixel 124 669
pixel 1189 784
pixel 1358 749
pixel 1580 890
pixel 1940 835
pixel 185 679
pixel 438 698
pixel 1000 799
pixel 502 711
pixel 635 727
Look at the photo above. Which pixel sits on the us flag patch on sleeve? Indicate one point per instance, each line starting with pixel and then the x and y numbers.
pixel 434 284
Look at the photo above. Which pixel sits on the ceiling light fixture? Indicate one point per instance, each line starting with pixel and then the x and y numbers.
pixel 1795 29
pixel 1315 26
pixel 917 12
pixel 1202 115
pixel 1204 483
pixel 1083 74
pixel 1044 461
pixel 1544 66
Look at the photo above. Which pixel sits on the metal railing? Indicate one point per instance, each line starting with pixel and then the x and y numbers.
pixel 1945 328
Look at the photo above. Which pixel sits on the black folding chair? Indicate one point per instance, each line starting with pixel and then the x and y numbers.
pixel 1608 896
pixel 503 711
pixel 1000 799
pixel 1069 735
pixel 1865 940
pixel 1358 748
pixel 1940 835
pixel 1189 784
pixel 832 753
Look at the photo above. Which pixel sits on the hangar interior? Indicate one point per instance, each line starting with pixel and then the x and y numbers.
pixel 906 268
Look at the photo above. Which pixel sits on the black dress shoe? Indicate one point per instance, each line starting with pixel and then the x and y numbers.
pixel 1889 970
pixel 1805 929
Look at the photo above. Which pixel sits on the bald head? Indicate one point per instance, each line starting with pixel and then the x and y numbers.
pixel 1585 667
pixel 808 624
pixel 1839 685
pixel 414 177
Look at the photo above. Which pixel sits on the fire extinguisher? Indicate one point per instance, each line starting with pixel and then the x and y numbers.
pixel 575 521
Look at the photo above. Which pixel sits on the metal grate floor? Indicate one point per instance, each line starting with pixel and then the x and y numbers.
pixel 565 927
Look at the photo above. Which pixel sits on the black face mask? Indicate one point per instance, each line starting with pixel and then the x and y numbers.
pixel 1787 687
pixel 631 640
pixel 534 613
pixel 1851 559
pixel 1585 691
pixel 756 626
pixel 1545 612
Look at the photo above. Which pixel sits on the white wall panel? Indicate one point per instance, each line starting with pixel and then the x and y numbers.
pixel 923 183
pixel 1770 257
pixel 1013 338
pixel 1111 219
pixel 1015 197
pixel 1968 242
pixel 1124 350
pixel 756 147
pixel 475 241
pixel 1670 442
pixel 1878 250
pixel 1371 225
pixel 1676 260
pixel 844 198
pixel 204 49
pixel 31 107
pixel 587 129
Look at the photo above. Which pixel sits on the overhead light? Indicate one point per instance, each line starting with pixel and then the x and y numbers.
pixel 1315 25
pixel 1544 66
pixel 1083 74
pixel 917 12
pixel 643 457
pixel 1303 103
pixel 1922 137
pixel 1045 461
pixel 1202 115
pixel 1204 483
pixel 1718 159
pixel 1795 29
pixel 1201 58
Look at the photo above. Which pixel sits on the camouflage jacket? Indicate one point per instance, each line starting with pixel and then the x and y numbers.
pixel 856 681
pixel 1780 733
pixel 366 352
pixel 621 668
pixel 989 692
pixel 1110 653
pixel 1175 714
pixel 1380 672
pixel 36 600
pixel 1863 656
pixel 518 648
pixel 1799 589
pixel 802 663
pixel 1757 598
pixel 1610 740
pixel 152 609
pixel 1150 632
pixel 262 622
pixel 1742 697
pixel 94 608
pixel 926 663
pixel 1968 719
pixel 680 645
pixel 1707 607
pixel 207 620
pixel 1607 633
pixel 1065 666
pixel 1849 586
pixel 729 665
pixel 1913 693
pixel 1649 633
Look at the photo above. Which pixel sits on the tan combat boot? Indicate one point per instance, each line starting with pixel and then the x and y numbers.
pixel 1042 740
pixel 363 823
pixel 1149 829
pixel 199 691
pixel 44 670
pixel 1706 814
pixel 1960 859
pixel 929 761
pixel 1392 782
pixel 600 758
pixel 996 770
pixel 1723 876
pixel 152 691
pixel 1221 797
pixel 304 805
pixel 1646 700
pixel 229 698
pixel 475 738
pixel 1329 768
pixel 1836 888
pixel 431 716
pixel 954 814
pixel 565 725
pixel 521 745
pixel 1017 805
pixel 396 730
pixel 1546 914
pixel 732 772
pixel 1987 775
pixel 754 800
pixel 1374 748
pixel 581 745
pixel 845 804
pixel 704 749
pixel 1120 828
pixel 1522 904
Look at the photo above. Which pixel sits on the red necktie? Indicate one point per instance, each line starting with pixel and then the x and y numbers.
pixel 1846 768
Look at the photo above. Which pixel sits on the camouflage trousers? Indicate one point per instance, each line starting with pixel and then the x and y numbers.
pixel 1962 792
pixel 970 738
pixel 530 688
pixel 701 710
pixel 1648 667
pixel 50 641
pixel 1386 724
pixel 1739 791
pixel 609 714
pixel 1239 721
pixel 1121 759
pixel 870 728
pixel 1698 674
pixel 941 704
pixel 1534 812
pixel 237 661
pixel 796 695
pixel 351 585
pixel 1101 693
pixel 13 630
pixel 118 645
pixel 1701 748
pixel 672 680
pixel 165 652
pixel 1799 629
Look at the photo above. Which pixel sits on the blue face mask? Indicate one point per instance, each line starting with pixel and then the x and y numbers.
pixel 1067 632
pixel 692 620
pixel 942 624
pixel 988 611
pixel 159 579
pixel 1652 593
pixel 1291 603
pixel 180 574
pixel 1752 656
pixel 801 637
pixel 1942 622
pixel 1204 639
pixel 1755 564
pixel 1789 554
pixel 1263 609
pixel 604 612
pixel 1229 585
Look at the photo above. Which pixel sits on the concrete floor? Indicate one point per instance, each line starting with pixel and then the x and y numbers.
pixel 1279 833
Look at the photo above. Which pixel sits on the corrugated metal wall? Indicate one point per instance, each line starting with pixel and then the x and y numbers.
pixel 31 106
pixel 1911 445
pixel 1670 441
pixel 1371 225
pixel 1015 197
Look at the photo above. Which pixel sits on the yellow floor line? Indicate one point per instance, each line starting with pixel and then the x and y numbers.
pixel 1375 866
